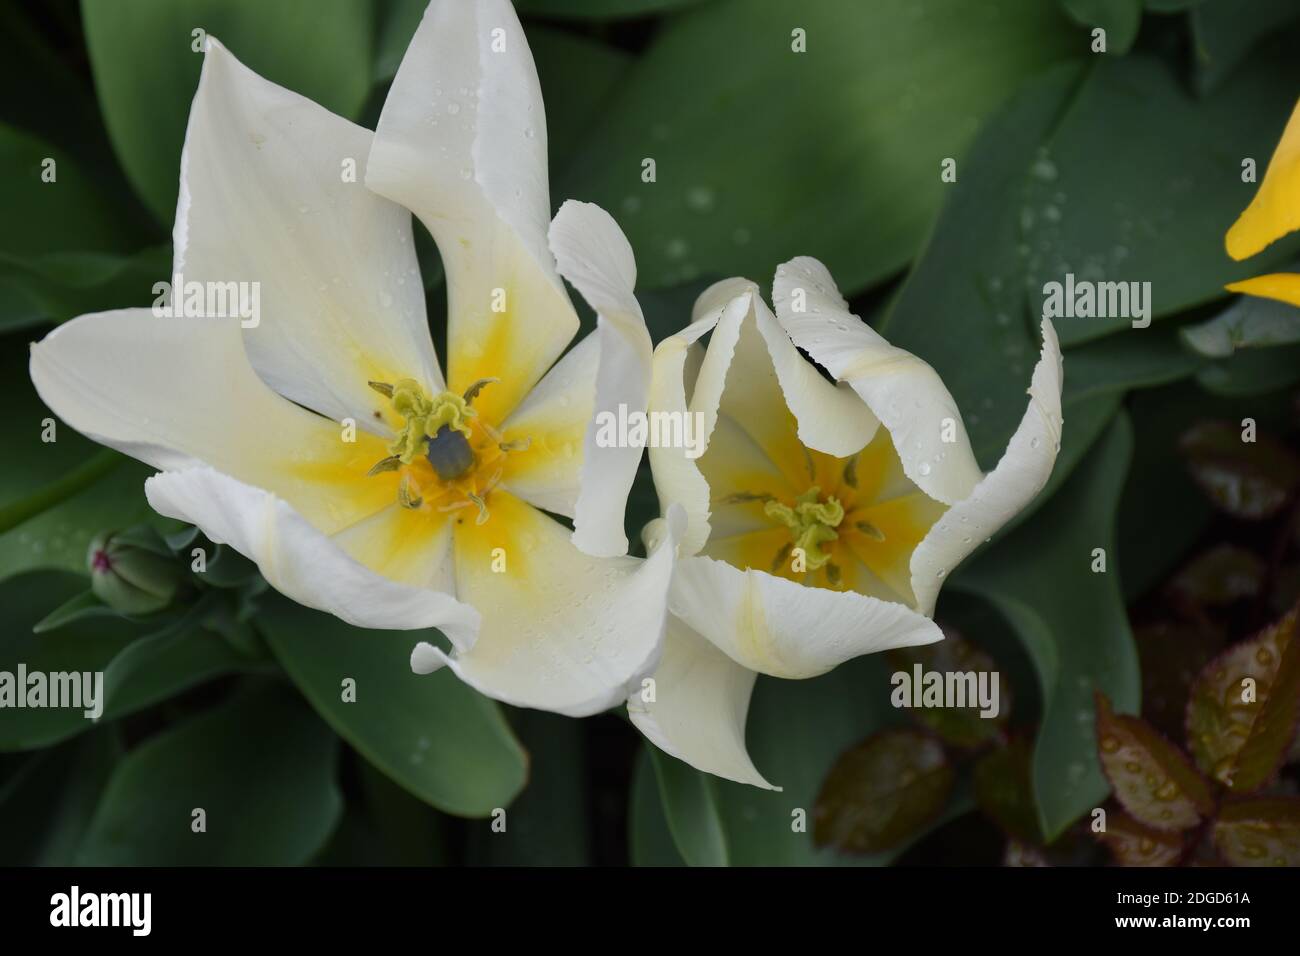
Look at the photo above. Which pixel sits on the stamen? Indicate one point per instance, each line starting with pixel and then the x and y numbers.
pixel 515 444
pixel 391 463
pixel 383 388
pixel 406 496
pixel 870 530
pixel 482 508
pixel 471 393
pixel 811 521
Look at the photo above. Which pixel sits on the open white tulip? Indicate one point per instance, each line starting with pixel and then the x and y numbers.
pixel 814 535
pixel 325 443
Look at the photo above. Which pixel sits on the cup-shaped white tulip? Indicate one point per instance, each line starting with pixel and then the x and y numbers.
pixel 324 442
pixel 822 518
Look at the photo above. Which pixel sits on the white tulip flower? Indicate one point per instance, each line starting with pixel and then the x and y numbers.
pixel 814 535
pixel 322 439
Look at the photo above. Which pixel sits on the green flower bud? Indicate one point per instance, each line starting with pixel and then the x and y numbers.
pixel 129 576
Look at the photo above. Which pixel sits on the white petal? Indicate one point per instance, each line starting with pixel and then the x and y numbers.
pixel 775 626
pixel 461 143
pixel 272 192
pixel 553 419
pixel 594 255
pixel 299 561
pixel 904 392
pixel 1018 478
pixel 174 392
pixel 676 361
pixel 562 631
pixel 701 700
pixel 426 659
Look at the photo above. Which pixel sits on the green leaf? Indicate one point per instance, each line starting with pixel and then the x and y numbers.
pixel 600 9
pixel 145 69
pixel 955 726
pixel 1262 831
pixel 398 20
pixel 694 815
pixel 1250 322
pixel 62 285
pixel 1243 709
pixel 1133 844
pixel 547 825
pixel 1253 372
pixel 1129 124
pixel 650 841
pixel 883 793
pixel 262 768
pixel 578 75
pixel 83 605
pixel 834 152
pixel 1071 621
pixel 1224 32
pixel 1251 480
pixel 966 309
pixel 796 731
pixel 1119 18
pixel 1152 779
pixel 142 662
pixel 432 734
pixel 47 804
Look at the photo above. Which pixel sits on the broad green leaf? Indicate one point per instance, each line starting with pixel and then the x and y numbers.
pixel 1133 844
pixel 1133 135
pixel 1152 778
pixel 1224 32
pixel 1224 574
pixel 46 806
pixel 261 766
pixel 62 285
pixel 1262 831
pixel 1071 621
pixel 432 734
pixel 548 824
pixel 142 662
pixel 397 22
pixel 57 537
pixel 1171 6
pixel 796 731
pixel 1252 372
pixel 955 726
pixel 965 308
pixel 1251 480
pixel 1003 788
pixel 578 76
pixel 600 9
pixel 1242 712
pixel 883 792
pixel 1119 18
pixel 692 799
pixel 70 212
pixel 146 69
pixel 650 843
pixel 1250 322
pixel 834 152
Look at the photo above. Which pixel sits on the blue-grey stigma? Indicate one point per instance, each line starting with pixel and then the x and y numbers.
pixel 450 454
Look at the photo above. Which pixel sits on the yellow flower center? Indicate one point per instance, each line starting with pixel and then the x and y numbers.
pixel 448 457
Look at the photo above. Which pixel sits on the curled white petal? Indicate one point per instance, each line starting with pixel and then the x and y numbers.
pixel 696 707
pixel 904 392
pixel 1018 478
pixel 299 561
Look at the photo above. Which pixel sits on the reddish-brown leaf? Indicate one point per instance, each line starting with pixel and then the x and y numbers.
pixel 1134 844
pixel 1242 711
pixel 1259 831
pixel 1153 780
pixel 882 792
